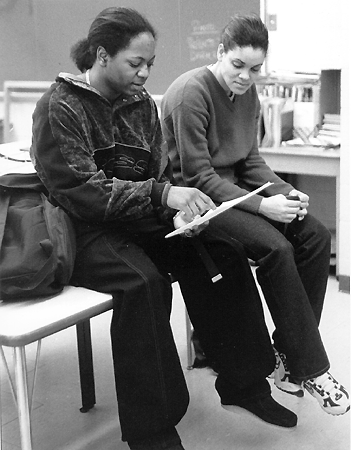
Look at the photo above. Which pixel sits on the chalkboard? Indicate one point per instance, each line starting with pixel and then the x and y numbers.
pixel 189 32
pixel 201 24
pixel 36 41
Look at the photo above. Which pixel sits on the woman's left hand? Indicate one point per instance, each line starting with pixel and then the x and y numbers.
pixel 304 199
pixel 179 220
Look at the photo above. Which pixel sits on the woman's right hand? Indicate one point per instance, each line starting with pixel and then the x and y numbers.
pixel 279 208
pixel 190 201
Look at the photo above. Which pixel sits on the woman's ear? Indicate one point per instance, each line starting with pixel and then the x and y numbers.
pixel 101 56
pixel 220 51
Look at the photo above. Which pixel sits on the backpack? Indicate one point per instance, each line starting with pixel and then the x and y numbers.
pixel 37 240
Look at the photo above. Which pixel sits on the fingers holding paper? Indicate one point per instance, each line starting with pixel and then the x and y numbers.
pixel 180 220
pixel 190 201
pixel 196 229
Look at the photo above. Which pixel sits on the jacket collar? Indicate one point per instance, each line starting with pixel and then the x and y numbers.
pixel 143 94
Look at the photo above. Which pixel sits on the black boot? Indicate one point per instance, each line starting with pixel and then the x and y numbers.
pixel 267 409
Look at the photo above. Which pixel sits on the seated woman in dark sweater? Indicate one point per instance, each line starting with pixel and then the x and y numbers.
pixel 209 120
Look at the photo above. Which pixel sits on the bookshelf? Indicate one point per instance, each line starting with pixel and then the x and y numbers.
pixel 294 107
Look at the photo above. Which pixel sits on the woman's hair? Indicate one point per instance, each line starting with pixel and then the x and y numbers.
pixel 244 31
pixel 112 29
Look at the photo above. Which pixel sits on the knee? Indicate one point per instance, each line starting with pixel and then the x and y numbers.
pixel 283 245
pixel 282 250
pixel 151 280
pixel 143 293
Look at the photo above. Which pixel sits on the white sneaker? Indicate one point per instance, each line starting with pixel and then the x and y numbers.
pixel 330 394
pixel 282 377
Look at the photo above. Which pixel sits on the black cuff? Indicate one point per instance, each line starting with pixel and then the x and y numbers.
pixel 159 193
pixel 166 439
pixel 165 195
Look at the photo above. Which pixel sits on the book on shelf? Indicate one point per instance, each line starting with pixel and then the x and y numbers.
pixel 323 132
pixel 326 135
pixel 330 126
pixel 331 118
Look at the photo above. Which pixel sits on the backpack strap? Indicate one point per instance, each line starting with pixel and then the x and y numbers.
pixel 22 181
pixel 206 259
pixel 4 206
pixel 44 271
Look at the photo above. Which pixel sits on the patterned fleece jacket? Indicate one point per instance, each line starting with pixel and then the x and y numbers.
pixel 101 162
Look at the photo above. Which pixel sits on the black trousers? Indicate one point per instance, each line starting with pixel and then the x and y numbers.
pixel 133 264
pixel 293 268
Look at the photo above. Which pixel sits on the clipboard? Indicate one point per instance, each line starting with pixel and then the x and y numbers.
pixel 214 212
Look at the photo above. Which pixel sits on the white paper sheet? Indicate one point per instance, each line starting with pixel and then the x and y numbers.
pixel 214 212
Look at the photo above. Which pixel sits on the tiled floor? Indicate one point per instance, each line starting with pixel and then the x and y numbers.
pixel 58 424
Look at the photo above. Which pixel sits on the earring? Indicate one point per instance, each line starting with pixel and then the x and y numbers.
pixel 103 61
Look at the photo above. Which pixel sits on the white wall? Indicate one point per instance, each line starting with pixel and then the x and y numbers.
pixel 311 35
pixel 345 169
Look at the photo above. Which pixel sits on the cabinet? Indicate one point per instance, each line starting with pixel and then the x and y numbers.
pixel 315 170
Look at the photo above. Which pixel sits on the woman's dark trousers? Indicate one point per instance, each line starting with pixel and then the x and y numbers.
pixel 133 263
pixel 293 268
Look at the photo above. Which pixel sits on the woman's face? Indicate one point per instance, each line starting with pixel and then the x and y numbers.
pixel 239 68
pixel 127 71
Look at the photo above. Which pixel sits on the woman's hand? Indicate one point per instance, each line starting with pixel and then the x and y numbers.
pixel 179 220
pixel 304 199
pixel 190 201
pixel 280 209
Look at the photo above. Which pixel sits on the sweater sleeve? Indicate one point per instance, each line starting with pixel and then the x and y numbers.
pixel 254 172
pixel 62 153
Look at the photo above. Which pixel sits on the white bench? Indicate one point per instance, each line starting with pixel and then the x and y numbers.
pixel 25 322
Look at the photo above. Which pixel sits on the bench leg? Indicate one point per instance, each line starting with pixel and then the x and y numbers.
pixel 1 353
pixel 86 369
pixel 189 344
pixel 22 398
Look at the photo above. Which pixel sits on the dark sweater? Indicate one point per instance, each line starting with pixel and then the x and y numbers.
pixel 212 142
